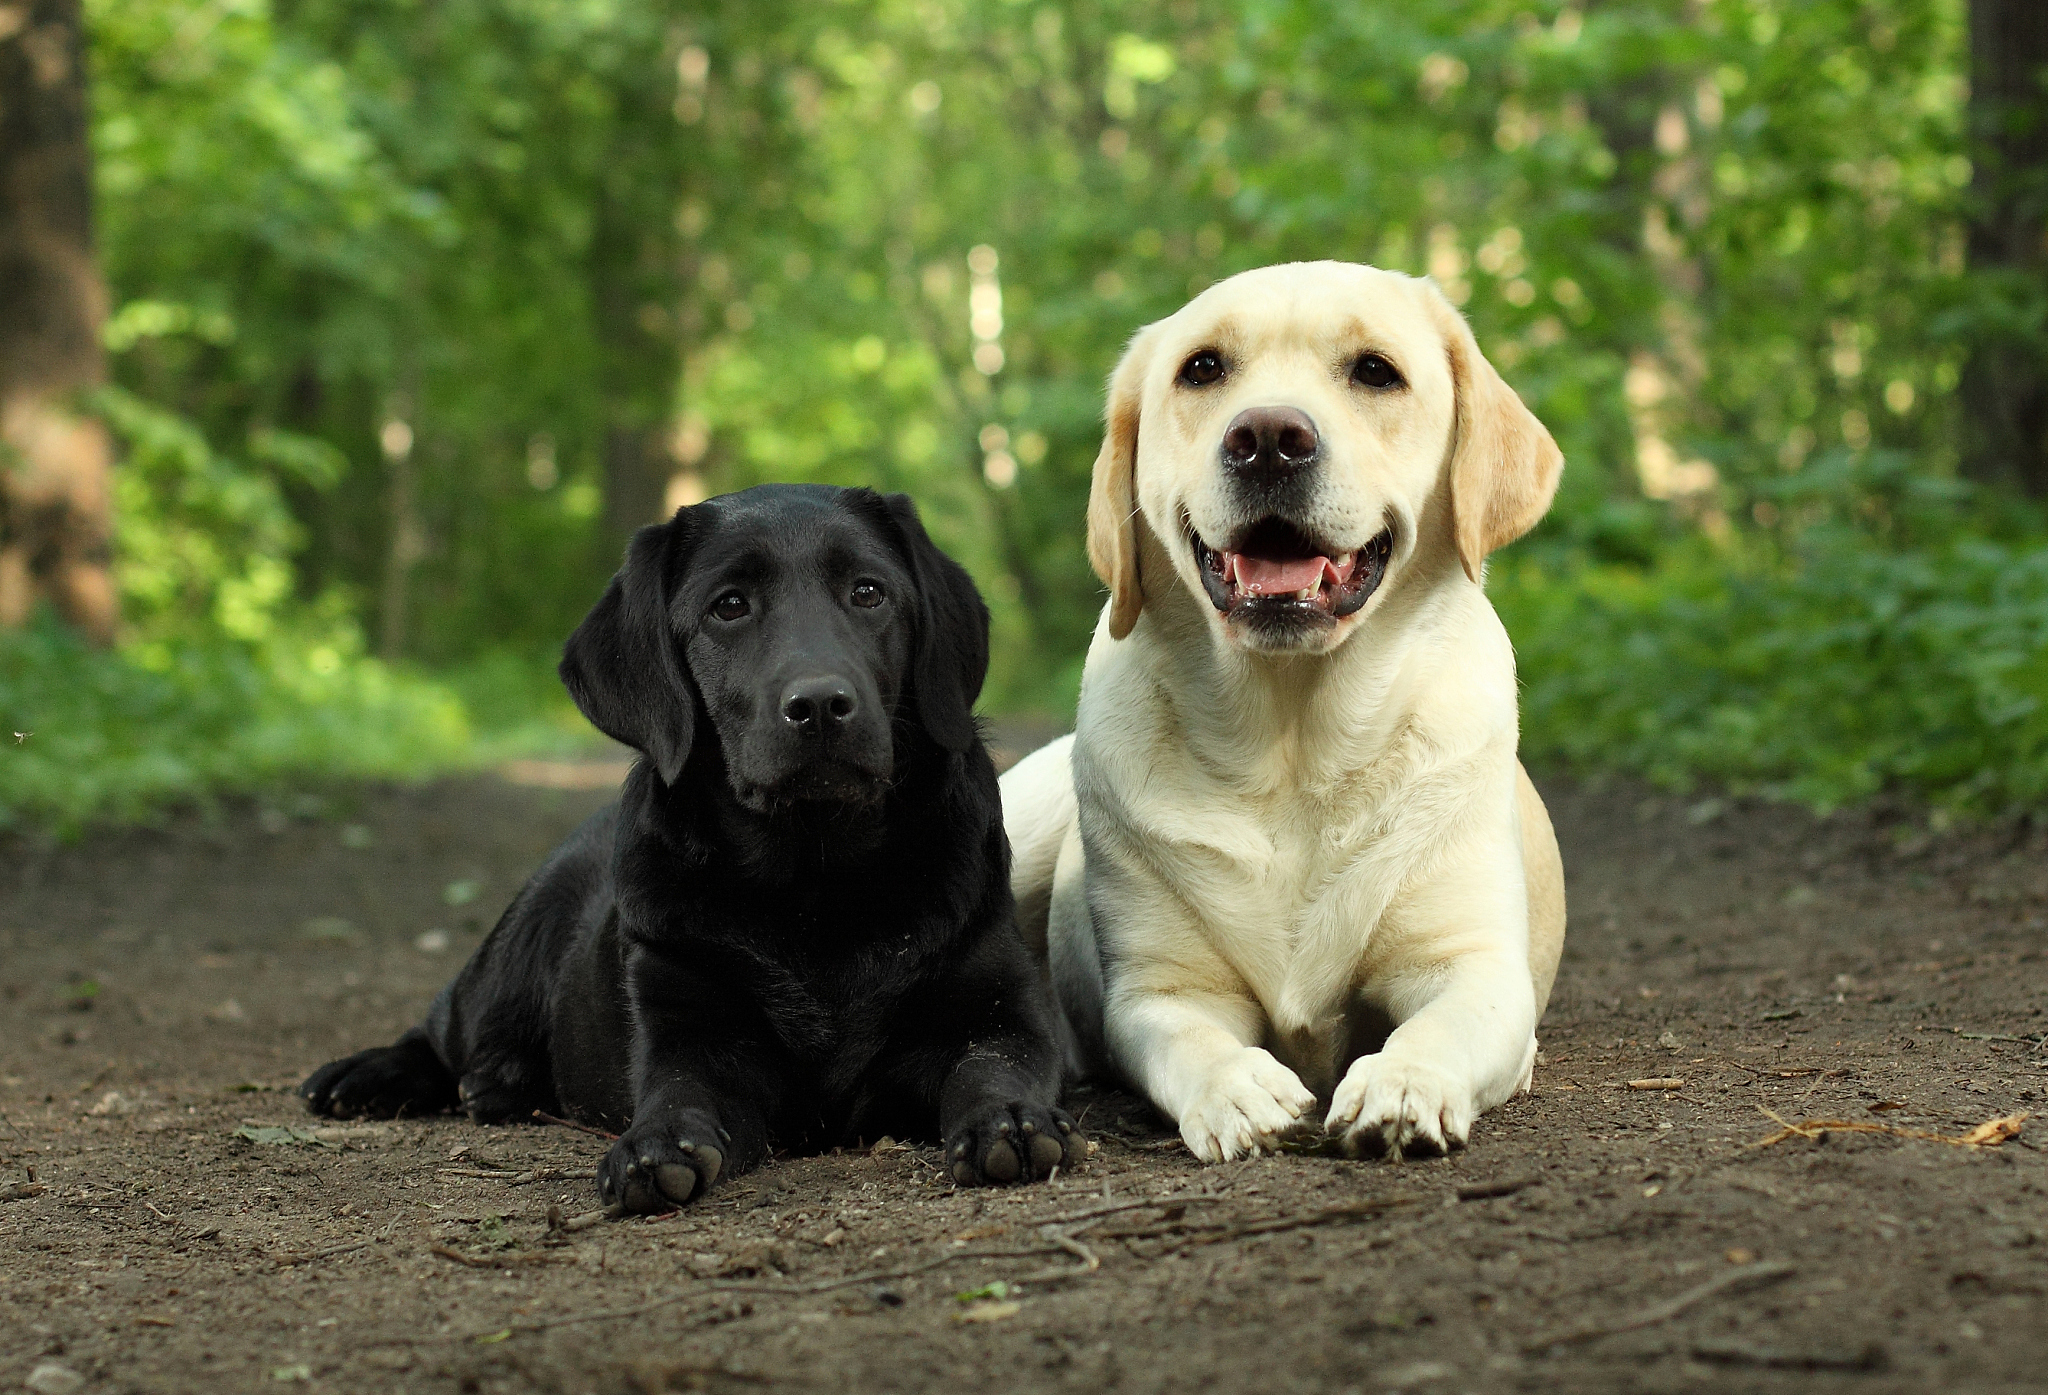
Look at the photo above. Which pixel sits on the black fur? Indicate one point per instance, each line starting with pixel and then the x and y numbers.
pixel 795 925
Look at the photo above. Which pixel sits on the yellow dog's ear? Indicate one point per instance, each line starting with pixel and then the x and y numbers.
pixel 1113 495
pixel 1504 464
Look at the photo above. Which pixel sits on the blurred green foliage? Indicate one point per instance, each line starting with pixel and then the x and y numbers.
pixel 120 736
pixel 1716 244
pixel 1914 660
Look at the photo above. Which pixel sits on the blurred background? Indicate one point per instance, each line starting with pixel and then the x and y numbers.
pixel 343 343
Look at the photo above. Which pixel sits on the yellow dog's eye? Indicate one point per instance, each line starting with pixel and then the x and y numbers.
pixel 1374 372
pixel 1202 369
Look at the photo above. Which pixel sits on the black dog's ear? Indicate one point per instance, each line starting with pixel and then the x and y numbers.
pixel 622 666
pixel 951 658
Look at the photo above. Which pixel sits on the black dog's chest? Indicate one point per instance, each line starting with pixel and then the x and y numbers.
pixel 830 1003
pixel 832 1014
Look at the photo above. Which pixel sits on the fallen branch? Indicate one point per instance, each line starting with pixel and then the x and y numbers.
pixel 1747 1276
pixel 1988 1134
pixel 1659 1082
pixel 546 1118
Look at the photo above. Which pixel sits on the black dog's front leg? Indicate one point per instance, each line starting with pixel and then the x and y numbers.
pixel 985 1048
pixel 704 1086
pixel 1000 1123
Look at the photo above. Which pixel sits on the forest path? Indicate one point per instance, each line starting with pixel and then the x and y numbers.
pixel 161 993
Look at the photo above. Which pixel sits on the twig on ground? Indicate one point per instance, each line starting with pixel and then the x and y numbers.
pixel 1059 1273
pixel 1329 1215
pixel 1746 1276
pixel 286 1261
pixel 489 1261
pixel 2036 1042
pixel 1152 1146
pixel 877 1275
pixel 546 1118
pixel 1659 1082
pixel 559 1224
pixel 498 1174
pixel 1073 1247
pixel 1988 1134
pixel 1095 1212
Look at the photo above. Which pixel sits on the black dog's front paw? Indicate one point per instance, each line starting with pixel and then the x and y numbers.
pixel 1014 1142
pixel 658 1168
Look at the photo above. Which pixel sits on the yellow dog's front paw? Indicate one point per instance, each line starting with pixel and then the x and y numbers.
pixel 1405 1108
pixel 1247 1105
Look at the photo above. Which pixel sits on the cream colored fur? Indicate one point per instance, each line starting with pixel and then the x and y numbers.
pixel 1251 861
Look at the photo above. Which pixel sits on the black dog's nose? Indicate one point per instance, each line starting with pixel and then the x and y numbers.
pixel 1270 443
pixel 816 706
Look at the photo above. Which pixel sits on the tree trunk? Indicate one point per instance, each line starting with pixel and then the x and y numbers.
pixel 56 499
pixel 2005 383
pixel 633 267
pixel 636 471
pixel 407 542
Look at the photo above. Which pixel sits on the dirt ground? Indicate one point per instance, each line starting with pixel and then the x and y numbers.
pixel 174 1222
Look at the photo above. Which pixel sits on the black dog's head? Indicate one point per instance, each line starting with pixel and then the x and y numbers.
pixel 808 626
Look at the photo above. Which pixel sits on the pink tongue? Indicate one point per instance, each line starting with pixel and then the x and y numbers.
pixel 1263 576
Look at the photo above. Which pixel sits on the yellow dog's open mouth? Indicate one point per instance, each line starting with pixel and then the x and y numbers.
pixel 1275 568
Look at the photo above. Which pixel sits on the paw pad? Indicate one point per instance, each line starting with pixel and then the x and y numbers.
pixel 1017 1142
pixel 1001 1163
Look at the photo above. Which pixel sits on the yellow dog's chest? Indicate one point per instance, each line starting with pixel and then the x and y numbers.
pixel 1269 884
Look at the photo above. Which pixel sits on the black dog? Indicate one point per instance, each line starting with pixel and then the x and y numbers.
pixel 796 922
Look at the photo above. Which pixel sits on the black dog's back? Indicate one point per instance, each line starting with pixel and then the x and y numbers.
pixel 535 978
pixel 495 1021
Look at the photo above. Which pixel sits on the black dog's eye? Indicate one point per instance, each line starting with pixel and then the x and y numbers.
pixel 731 606
pixel 1374 372
pixel 868 594
pixel 1201 370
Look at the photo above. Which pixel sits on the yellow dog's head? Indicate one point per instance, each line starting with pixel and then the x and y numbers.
pixel 1297 439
